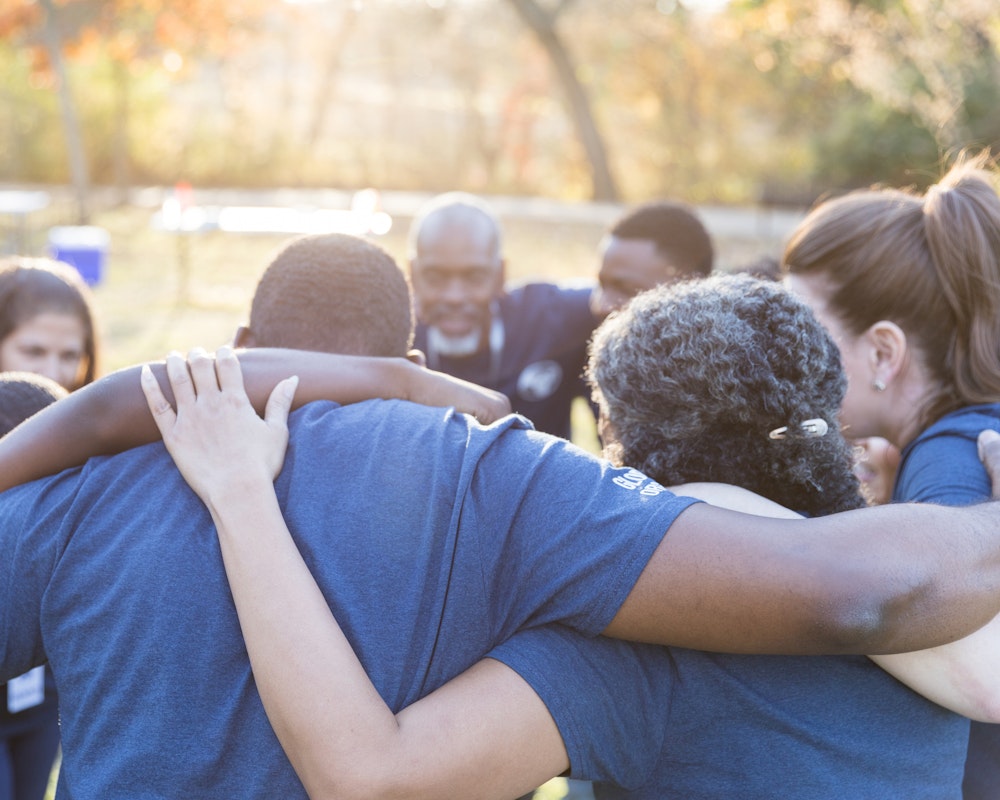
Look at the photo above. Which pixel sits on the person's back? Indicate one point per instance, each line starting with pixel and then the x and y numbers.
pixel 756 726
pixel 423 529
pixel 136 620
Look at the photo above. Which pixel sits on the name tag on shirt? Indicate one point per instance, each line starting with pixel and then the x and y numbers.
pixel 26 691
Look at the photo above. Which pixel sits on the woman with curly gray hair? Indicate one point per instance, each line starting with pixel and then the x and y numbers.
pixel 729 379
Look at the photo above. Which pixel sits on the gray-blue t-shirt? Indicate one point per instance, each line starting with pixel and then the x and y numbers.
pixel 432 538
pixel 739 726
pixel 941 465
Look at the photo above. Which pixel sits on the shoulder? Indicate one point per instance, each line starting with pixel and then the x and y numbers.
pixel 529 296
pixel 941 465
pixel 963 423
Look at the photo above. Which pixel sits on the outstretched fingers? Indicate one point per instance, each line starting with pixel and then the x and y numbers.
pixel 202 368
pixel 180 379
pixel 228 371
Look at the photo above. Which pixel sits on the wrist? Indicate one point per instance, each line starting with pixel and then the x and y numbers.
pixel 230 492
pixel 407 375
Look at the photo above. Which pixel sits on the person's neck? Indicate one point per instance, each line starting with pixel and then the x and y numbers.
pixel 905 407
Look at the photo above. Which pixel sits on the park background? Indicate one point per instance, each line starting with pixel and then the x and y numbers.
pixel 561 111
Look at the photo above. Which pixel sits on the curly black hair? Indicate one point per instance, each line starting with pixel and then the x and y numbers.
pixel 693 377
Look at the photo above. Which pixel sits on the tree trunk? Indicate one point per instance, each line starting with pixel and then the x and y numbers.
pixel 71 124
pixel 121 161
pixel 542 24
pixel 328 79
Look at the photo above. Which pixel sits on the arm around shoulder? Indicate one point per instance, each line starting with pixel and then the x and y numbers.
pixel 879 580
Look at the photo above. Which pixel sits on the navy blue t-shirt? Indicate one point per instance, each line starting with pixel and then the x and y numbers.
pixel 737 726
pixel 433 539
pixel 942 466
pixel 540 365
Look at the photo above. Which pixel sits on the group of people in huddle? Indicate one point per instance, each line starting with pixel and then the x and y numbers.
pixel 312 566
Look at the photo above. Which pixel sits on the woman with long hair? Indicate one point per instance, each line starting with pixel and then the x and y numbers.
pixel 909 286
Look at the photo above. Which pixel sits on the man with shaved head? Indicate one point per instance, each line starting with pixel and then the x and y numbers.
pixel 528 342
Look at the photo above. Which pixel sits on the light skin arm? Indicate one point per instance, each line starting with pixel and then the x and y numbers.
pixel 961 676
pixel 485 734
pixel 110 415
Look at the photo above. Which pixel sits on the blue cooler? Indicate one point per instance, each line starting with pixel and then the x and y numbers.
pixel 83 246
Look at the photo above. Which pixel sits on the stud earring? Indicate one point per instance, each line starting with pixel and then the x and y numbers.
pixel 878 385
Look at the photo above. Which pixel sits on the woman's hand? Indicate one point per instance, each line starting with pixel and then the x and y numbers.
pixel 217 440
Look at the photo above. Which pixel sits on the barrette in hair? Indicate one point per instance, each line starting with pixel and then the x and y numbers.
pixel 811 429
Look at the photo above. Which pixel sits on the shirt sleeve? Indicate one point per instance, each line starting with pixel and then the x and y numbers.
pixel 943 469
pixel 564 535
pixel 608 698
pixel 29 549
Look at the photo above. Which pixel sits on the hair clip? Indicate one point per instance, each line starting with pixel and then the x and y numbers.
pixel 811 429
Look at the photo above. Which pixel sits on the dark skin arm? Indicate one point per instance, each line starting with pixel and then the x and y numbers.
pixel 878 580
pixel 891 579
pixel 110 415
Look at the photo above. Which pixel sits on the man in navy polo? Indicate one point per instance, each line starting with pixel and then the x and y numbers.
pixel 530 341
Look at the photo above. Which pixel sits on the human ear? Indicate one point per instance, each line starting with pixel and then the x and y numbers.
pixel 888 350
pixel 244 338
pixel 500 279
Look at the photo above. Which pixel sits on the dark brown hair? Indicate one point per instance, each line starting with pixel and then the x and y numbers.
pixel 33 286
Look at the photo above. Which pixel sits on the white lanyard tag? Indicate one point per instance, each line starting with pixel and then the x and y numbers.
pixel 26 691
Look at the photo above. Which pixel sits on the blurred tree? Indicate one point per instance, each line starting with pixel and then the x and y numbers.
pixel 882 90
pixel 24 14
pixel 931 59
pixel 347 19
pixel 542 21
pixel 128 33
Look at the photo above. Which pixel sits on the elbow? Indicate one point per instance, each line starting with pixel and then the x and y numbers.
pixel 363 780
pixel 857 626
pixel 986 707
pixel 884 616
pixel 881 604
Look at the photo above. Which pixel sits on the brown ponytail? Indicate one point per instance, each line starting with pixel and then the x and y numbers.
pixel 930 264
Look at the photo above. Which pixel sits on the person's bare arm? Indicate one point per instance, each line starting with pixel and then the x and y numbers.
pixel 961 676
pixel 877 580
pixel 485 734
pixel 110 415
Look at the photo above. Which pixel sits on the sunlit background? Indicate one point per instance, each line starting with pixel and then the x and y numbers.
pixel 765 100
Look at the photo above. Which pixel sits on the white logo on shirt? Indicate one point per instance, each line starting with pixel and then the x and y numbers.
pixel 539 380
pixel 633 479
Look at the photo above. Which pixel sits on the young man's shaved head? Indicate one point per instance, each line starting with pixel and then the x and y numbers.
pixel 333 293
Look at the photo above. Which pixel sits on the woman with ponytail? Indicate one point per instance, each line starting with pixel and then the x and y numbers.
pixel 909 287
